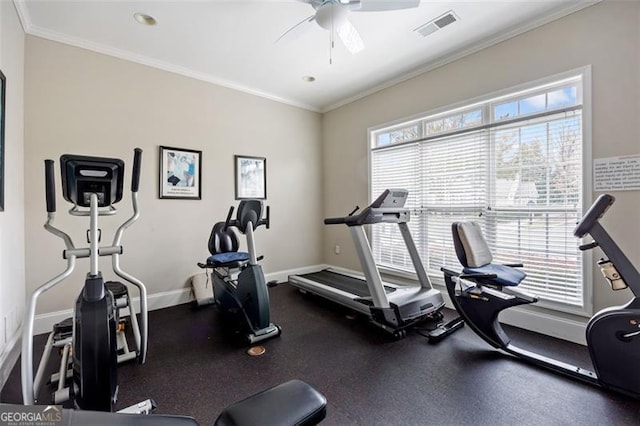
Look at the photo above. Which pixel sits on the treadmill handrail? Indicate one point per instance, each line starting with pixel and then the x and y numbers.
pixel 372 215
pixel 340 220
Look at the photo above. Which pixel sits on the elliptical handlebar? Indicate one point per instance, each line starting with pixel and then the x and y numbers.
pixel 50 186
pixel 595 212
pixel 137 165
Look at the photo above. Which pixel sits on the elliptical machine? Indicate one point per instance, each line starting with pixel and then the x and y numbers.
pixel 484 289
pixel 243 301
pixel 93 185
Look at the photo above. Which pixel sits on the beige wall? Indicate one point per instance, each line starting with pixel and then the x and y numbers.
pixel 81 102
pixel 605 36
pixel 12 265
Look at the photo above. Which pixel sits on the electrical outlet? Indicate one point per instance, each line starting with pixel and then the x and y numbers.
pixel 336 249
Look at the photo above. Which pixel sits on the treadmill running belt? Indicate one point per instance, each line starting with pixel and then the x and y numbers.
pixel 343 282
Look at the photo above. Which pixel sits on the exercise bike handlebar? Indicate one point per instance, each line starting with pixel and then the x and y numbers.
pixel 228 222
pixel 595 212
pixel 463 276
pixel 264 221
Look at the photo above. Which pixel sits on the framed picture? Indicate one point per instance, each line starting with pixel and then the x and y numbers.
pixel 251 177
pixel 3 83
pixel 180 173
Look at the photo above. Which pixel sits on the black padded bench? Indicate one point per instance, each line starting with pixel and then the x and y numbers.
pixel 291 403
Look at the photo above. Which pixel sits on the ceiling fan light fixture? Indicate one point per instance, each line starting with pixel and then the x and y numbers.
pixel 328 16
pixel 144 19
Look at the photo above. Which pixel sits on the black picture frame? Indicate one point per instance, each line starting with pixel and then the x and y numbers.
pixel 250 177
pixel 3 89
pixel 180 173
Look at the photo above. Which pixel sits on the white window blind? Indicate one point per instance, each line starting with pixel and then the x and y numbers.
pixel 454 181
pixel 536 202
pixel 513 164
pixel 397 167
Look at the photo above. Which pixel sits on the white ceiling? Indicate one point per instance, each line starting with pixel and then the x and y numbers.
pixel 232 42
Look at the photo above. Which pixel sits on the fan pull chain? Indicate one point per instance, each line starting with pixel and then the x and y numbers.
pixel 331 37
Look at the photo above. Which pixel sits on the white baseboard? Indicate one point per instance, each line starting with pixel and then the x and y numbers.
pixel 548 324
pixel 9 356
pixel 44 322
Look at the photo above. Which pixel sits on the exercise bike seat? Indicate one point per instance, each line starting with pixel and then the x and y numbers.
pixel 475 256
pixel 291 403
pixel 223 246
pixel 234 259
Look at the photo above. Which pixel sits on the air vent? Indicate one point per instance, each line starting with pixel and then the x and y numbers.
pixel 436 24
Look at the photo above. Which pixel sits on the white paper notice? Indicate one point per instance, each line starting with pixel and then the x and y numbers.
pixel 616 173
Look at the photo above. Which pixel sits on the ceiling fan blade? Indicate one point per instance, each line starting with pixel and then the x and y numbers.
pixel 296 31
pixel 314 3
pixel 382 5
pixel 350 37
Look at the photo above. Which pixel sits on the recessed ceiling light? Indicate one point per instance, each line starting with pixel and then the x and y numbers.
pixel 144 19
pixel 309 78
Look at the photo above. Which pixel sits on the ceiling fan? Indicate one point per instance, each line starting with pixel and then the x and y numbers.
pixel 333 15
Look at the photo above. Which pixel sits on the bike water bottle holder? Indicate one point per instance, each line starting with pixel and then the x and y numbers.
pixel 611 274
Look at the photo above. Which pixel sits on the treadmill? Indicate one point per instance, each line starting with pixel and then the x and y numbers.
pixel 392 307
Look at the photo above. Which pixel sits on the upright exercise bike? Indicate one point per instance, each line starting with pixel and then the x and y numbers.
pixel 484 289
pixel 244 300
pixel 93 185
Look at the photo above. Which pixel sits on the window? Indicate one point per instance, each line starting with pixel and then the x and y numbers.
pixel 513 163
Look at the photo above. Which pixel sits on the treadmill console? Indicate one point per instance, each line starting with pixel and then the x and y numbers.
pixel 388 207
pixel 391 198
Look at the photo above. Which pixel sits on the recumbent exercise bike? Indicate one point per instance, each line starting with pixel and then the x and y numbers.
pixel 242 300
pixel 483 289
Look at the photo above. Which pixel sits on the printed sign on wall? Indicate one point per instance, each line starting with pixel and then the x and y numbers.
pixel 616 173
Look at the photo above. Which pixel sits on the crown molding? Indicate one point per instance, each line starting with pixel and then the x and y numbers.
pixel 461 53
pixel 450 57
